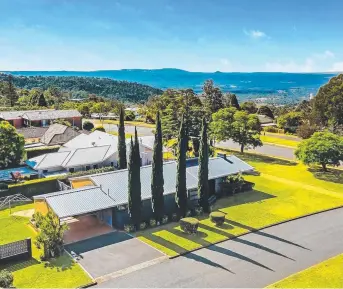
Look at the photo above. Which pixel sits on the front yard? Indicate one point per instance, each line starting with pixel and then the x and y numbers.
pixel 58 273
pixel 284 191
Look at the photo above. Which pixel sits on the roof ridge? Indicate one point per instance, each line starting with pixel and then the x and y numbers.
pixel 61 193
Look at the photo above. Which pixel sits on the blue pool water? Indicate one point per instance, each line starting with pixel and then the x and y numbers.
pixel 5 174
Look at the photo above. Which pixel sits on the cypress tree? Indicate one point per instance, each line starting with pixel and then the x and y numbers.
pixel 203 190
pixel 42 101
pixel 134 186
pixel 157 181
pixel 181 189
pixel 122 162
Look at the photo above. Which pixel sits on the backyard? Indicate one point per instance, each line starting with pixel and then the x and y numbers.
pixel 61 272
pixel 284 191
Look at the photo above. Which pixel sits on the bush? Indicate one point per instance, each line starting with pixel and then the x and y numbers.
pixel 6 279
pixel 152 223
pixel 99 128
pixel 3 186
pixel 189 225
pixel 198 211
pixel 91 172
pixel 142 226
pixel 129 228
pixel 35 152
pixel 87 125
pixel 165 219
pixel 305 130
pixel 175 217
pixel 218 218
pixel 129 115
pixel 189 213
pixel 273 129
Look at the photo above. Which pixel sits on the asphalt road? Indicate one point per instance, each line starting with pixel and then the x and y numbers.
pixel 276 151
pixel 254 260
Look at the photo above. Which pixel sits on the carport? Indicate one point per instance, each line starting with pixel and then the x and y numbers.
pixel 87 211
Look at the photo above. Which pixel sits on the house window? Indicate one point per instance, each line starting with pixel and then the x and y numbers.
pixel 71 170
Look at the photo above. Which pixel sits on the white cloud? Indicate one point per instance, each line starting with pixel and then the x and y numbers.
pixel 337 67
pixel 325 55
pixel 255 34
pixel 291 66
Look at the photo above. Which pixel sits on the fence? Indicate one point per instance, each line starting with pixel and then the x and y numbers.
pixel 15 251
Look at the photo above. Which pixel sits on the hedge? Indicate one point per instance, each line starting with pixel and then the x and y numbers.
pixel 35 152
pixel 218 218
pixel 32 188
pixel 189 225
pixel 89 172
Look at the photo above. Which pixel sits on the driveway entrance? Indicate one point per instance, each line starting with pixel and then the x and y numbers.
pixel 110 253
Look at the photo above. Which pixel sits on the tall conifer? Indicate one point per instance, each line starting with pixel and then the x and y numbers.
pixel 122 162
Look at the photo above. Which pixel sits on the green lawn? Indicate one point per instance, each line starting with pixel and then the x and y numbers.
pixel 133 123
pixel 271 139
pixel 62 272
pixel 328 274
pixel 284 191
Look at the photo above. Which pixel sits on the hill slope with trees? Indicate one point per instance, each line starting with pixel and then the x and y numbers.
pixel 109 88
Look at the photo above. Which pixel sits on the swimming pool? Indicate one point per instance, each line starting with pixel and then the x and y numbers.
pixel 6 174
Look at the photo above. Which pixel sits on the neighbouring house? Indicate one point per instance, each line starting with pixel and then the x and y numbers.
pixel 32 134
pixel 58 134
pixel 105 196
pixel 41 118
pixel 85 152
pixel 266 120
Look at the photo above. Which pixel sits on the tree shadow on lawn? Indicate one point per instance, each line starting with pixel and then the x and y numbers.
pixel 264 234
pixel 234 238
pixel 19 265
pixel 332 175
pixel 61 263
pixel 242 198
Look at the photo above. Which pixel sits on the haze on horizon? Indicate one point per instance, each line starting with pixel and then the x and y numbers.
pixel 193 35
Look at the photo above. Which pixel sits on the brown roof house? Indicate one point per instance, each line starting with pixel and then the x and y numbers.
pixel 58 134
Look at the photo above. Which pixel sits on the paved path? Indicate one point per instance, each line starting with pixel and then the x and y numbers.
pixel 271 150
pixel 251 261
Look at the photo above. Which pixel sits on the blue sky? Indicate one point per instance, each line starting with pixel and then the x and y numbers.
pixel 195 35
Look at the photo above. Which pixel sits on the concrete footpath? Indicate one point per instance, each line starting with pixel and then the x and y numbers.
pixel 254 260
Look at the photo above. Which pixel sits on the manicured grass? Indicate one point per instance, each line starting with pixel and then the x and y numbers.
pixel 328 274
pixel 270 139
pixel 127 135
pixel 284 191
pixel 133 123
pixel 62 272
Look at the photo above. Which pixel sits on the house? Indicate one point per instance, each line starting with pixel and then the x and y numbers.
pixel 40 118
pixel 266 120
pixel 32 134
pixel 85 152
pixel 105 195
pixel 58 134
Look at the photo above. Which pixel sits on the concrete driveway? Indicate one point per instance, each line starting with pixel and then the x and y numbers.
pixel 251 261
pixel 111 252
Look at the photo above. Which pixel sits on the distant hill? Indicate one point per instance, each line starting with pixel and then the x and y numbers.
pixel 106 87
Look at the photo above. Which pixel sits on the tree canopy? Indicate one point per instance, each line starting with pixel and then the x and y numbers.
pixel 323 148
pixel 11 145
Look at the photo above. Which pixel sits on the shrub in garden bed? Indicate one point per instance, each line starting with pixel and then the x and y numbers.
pixel 218 218
pixel 165 219
pixel 152 223
pixel 189 225
pixel 129 228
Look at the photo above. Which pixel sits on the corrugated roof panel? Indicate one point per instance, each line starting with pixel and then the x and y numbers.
pixel 79 201
pixel 52 160
pixel 50 114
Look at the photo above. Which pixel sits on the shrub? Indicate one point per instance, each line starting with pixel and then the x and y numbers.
pixel 6 279
pixel 189 225
pixel 198 211
pixel 165 219
pixel 189 213
pixel 129 228
pixel 35 152
pixel 129 115
pixel 175 217
pixel 142 226
pixel 152 223
pixel 274 129
pixel 91 172
pixel 306 130
pixel 99 128
pixel 218 218
pixel 87 125
pixel 3 186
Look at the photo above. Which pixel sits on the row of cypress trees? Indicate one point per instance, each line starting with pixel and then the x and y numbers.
pixel 157 180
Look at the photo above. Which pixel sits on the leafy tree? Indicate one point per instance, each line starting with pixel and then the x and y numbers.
pixel 249 107
pixel 323 148
pixel 42 101
pixel 170 122
pixel 230 100
pixel 11 145
pixel 63 122
pixel 328 104
pixel 306 130
pixel 203 189
pixel 84 109
pixel 50 236
pixel 11 91
pixel 99 128
pixel 221 125
pixel 290 121
pixel 157 181
pixel 129 115
pixel 100 107
pixel 213 97
pixel 134 186
pixel 6 279
pixel 122 162
pixel 265 110
pixel 246 130
pixel 181 187
pixel 87 125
